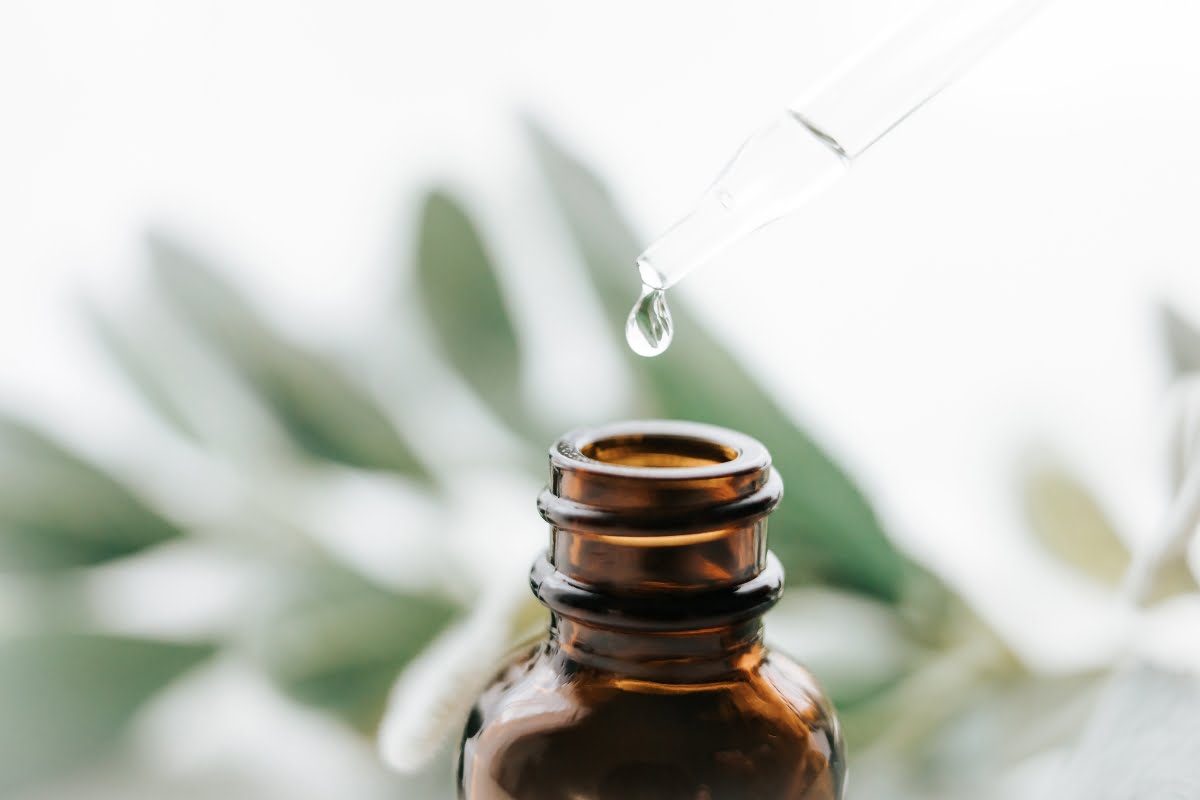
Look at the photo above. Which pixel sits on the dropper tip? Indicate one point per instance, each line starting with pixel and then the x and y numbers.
pixel 650 276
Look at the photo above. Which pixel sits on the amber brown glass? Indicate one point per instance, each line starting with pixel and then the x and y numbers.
pixel 654 683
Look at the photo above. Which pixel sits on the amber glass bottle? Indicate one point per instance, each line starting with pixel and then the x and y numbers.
pixel 654 683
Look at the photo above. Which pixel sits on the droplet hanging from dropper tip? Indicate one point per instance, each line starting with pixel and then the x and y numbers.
pixel 648 329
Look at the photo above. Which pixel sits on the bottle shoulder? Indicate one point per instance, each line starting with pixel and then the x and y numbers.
pixel 798 687
pixel 544 726
pixel 536 679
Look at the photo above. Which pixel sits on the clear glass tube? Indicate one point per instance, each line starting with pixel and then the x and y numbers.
pixel 803 151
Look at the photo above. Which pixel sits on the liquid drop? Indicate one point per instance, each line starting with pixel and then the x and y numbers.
pixel 648 329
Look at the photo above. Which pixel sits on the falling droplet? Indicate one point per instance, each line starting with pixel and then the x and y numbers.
pixel 648 329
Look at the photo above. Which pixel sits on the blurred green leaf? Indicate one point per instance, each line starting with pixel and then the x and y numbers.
pixel 1140 740
pixel 65 698
pixel 1069 521
pixel 130 356
pixel 460 291
pixel 957 739
pixel 824 530
pixel 59 511
pixel 810 623
pixel 1175 577
pixel 1183 340
pixel 966 734
pixel 432 697
pixel 338 641
pixel 324 412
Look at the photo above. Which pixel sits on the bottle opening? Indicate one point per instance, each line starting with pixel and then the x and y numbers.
pixel 658 451
pixel 657 477
pixel 655 455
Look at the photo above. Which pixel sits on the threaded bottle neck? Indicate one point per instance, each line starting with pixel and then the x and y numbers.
pixel 658 529
pixel 660 505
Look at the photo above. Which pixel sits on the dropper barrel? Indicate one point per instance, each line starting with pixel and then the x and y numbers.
pixel 876 89
pixel 776 171
pixel 799 154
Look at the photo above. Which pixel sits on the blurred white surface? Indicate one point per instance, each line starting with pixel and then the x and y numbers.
pixel 985 276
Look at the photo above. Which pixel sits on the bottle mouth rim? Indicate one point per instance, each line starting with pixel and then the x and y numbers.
pixel 658 477
pixel 659 450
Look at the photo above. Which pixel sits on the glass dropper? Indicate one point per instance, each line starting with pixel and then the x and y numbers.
pixel 801 152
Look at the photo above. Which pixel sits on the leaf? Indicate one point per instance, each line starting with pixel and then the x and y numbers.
pixel 1068 520
pixel 1141 740
pixel 338 642
pixel 1174 578
pixel 460 291
pixel 942 678
pixel 810 624
pixel 64 698
pixel 824 531
pixel 1183 340
pixel 1184 438
pixel 326 415
pixel 59 511
pixel 130 356
pixel 959 727
pixel 1047 709
pixel 432 697
pixel 1164 572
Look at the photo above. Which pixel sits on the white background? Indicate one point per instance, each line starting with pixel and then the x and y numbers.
pixel 984 278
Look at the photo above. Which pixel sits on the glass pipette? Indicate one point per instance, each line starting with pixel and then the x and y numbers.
pixel 804 150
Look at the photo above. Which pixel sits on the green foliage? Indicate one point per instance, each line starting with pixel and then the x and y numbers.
pixel 325 414
pixel 812 623
pixel 63 697
pixel 129 356
pixel 1072 526
pixel 460 291
pixel 337 641
pixel 1174 578
pixel 58 510
pixel 1183 341
pixel 1069 522
pixel 824 531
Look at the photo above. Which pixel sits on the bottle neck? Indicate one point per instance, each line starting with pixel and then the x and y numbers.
pixel 679 562
pixel 691 657
pixel 664 634
pixel 657 567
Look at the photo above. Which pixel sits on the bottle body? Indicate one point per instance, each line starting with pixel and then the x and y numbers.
pixel 549 729
pixel 654 681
